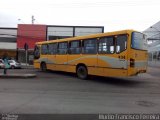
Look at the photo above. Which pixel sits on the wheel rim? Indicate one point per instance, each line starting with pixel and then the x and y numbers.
pixel 82 72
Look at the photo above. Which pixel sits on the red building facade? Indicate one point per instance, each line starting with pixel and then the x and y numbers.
pixel 30 34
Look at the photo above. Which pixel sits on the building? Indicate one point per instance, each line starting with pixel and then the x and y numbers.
pixel 29 34
pixel 153 36
pixel 8 42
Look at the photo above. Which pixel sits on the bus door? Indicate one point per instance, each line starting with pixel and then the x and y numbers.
pixel 89 55
pixel 105 55
pixel 62 56
pixel 52 50
pixel 74 55
pixel 121 61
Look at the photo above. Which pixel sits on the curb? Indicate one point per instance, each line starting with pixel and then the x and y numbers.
pixel 18 76
pixel 28 67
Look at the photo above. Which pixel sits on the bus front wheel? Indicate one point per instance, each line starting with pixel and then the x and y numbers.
pixel 43 67
pixel 82 72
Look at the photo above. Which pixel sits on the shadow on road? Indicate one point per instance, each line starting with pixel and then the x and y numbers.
pixel 61 73
pixel 117 81
pixel 127 82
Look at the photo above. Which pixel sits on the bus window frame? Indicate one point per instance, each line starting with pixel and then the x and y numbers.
pixel 113 44
pixel 131 42
pixel 116 43
pixel 62 48
pixel 41 49
pixel 80 47
pixel 56 48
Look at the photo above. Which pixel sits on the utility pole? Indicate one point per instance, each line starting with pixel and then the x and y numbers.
pixel 33 19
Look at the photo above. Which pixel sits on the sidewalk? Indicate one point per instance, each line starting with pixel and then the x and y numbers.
pixel 17 75
pixel 27 66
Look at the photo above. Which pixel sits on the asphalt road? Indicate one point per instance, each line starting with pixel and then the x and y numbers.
pixel 59 92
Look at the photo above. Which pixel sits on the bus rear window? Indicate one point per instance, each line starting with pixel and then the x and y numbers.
pixel 139 41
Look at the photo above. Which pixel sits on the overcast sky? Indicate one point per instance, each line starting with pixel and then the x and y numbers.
pixel 113 14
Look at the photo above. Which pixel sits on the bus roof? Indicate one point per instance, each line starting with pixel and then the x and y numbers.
pixel 87 36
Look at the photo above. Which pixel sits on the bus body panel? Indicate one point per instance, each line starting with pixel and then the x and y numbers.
pixel 90 61
pixel 61 62
pixel 140 65
pixel 36 64
pixel 112 65
pixel 51 62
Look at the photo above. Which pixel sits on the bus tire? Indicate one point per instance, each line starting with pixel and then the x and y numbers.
pixel 43 67
pixel 82 72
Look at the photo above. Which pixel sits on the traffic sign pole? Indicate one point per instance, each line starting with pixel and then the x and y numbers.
pixel 26 56
pixel 26 50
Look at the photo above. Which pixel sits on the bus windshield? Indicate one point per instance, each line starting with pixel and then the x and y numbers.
pixel 139 41
pixel 36 52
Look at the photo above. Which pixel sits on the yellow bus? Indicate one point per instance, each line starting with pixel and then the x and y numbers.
pixel 113 54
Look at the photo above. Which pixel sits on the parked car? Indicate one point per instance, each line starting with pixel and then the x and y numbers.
pixel 2 63
pixel 14 64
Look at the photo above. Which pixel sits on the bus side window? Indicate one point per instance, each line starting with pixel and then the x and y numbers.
pixel 44 49
pixel 75 47
pixel 106 45
pixel 62 47
pixel 121 43
pixel 90 46
pixel 52 48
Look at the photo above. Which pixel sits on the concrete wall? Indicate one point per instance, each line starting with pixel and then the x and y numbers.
pixel 8 38
pixel 8 42
pixel 8 46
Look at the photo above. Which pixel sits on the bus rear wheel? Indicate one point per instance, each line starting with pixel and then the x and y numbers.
pixel 82 72
pixel 43 67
